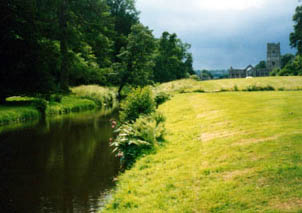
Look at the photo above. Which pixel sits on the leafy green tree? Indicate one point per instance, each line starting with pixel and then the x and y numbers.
pixel 205 75
pixel 261 65
pixel 136 66
pixel 292 68
pixel 124 15
pixel 285 59
pixel 172 59
pixel 296 36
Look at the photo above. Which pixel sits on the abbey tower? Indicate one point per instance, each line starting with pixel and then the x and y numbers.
pixel 273 56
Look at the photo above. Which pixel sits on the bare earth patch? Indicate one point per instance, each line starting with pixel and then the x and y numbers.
pixel 291 205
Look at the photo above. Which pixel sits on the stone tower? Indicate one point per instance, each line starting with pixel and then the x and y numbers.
pixel 273 56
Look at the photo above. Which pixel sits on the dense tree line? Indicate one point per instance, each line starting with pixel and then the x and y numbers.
pixel 291 64
pixel 48 45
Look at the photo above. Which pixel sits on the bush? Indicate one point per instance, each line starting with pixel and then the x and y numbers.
pixel 199 91
pixel 138 102
pixel 161 97
pixel 138 138
pixel 40 105
pixel 259 88
pixel 195 77
pixel 56 98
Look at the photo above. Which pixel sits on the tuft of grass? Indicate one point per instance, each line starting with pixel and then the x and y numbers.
pixel 221 158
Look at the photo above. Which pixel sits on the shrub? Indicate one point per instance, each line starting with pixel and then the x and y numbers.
pixel 138 102
pixel 259 88
pixel 40 105
pixel 199 91
pixel 138 138
pixel 236 88
pixel 194 77
pixel 161 97
pixel 56 98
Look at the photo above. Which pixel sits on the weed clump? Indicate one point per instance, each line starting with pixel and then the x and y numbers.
pixel 138 138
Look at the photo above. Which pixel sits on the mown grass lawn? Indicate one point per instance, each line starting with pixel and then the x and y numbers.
pixel 225 152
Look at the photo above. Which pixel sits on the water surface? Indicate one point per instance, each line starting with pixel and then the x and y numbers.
pixel 61 165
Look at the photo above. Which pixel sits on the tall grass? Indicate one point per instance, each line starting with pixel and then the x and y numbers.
pixel 17 114
pixel 103 97
pixel 70 104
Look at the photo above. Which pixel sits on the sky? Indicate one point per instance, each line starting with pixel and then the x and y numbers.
pixel 223 33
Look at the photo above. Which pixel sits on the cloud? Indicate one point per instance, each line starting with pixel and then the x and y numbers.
pixel 222 33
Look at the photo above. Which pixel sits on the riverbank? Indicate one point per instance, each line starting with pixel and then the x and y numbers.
pixel 224 152
pixel 19 110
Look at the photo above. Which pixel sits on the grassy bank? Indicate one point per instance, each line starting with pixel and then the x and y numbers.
pixel 189 85
pixel 17 114
pixel 225 152
pixel 83 98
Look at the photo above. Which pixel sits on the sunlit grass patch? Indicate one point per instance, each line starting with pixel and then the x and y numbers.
pixel 225 152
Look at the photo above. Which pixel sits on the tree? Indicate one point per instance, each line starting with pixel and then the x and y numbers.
pixel 172 60
pixel 136 66
pixel 296 36
pixel 294 67
pixel 261 65
pixel 124 15
pixel 285 59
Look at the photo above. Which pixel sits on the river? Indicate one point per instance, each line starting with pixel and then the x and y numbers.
pixel 59 165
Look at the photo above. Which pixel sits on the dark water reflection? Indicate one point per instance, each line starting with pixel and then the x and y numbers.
pixel 63 165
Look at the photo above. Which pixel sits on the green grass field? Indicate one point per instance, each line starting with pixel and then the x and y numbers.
pixel 189 85
pixel 224 152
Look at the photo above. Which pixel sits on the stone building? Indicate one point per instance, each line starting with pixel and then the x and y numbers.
pixel 273 61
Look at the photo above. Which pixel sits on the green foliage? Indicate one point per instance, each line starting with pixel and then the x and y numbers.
pixel 261 65
pixel 136 66
pixel 205 75
pixel 56 98
pixel 138 102
pixel 285 59
pixel 172 61
pixel 161 98
pixel 194 77
pixel 40 105
pixel 296 36
pixel 17 114
pixel 294 67
pixel 251 88
pixel 103 97
pixel 138 138
pixel 70 104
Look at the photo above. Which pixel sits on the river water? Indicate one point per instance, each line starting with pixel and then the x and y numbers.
pixel 60 165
